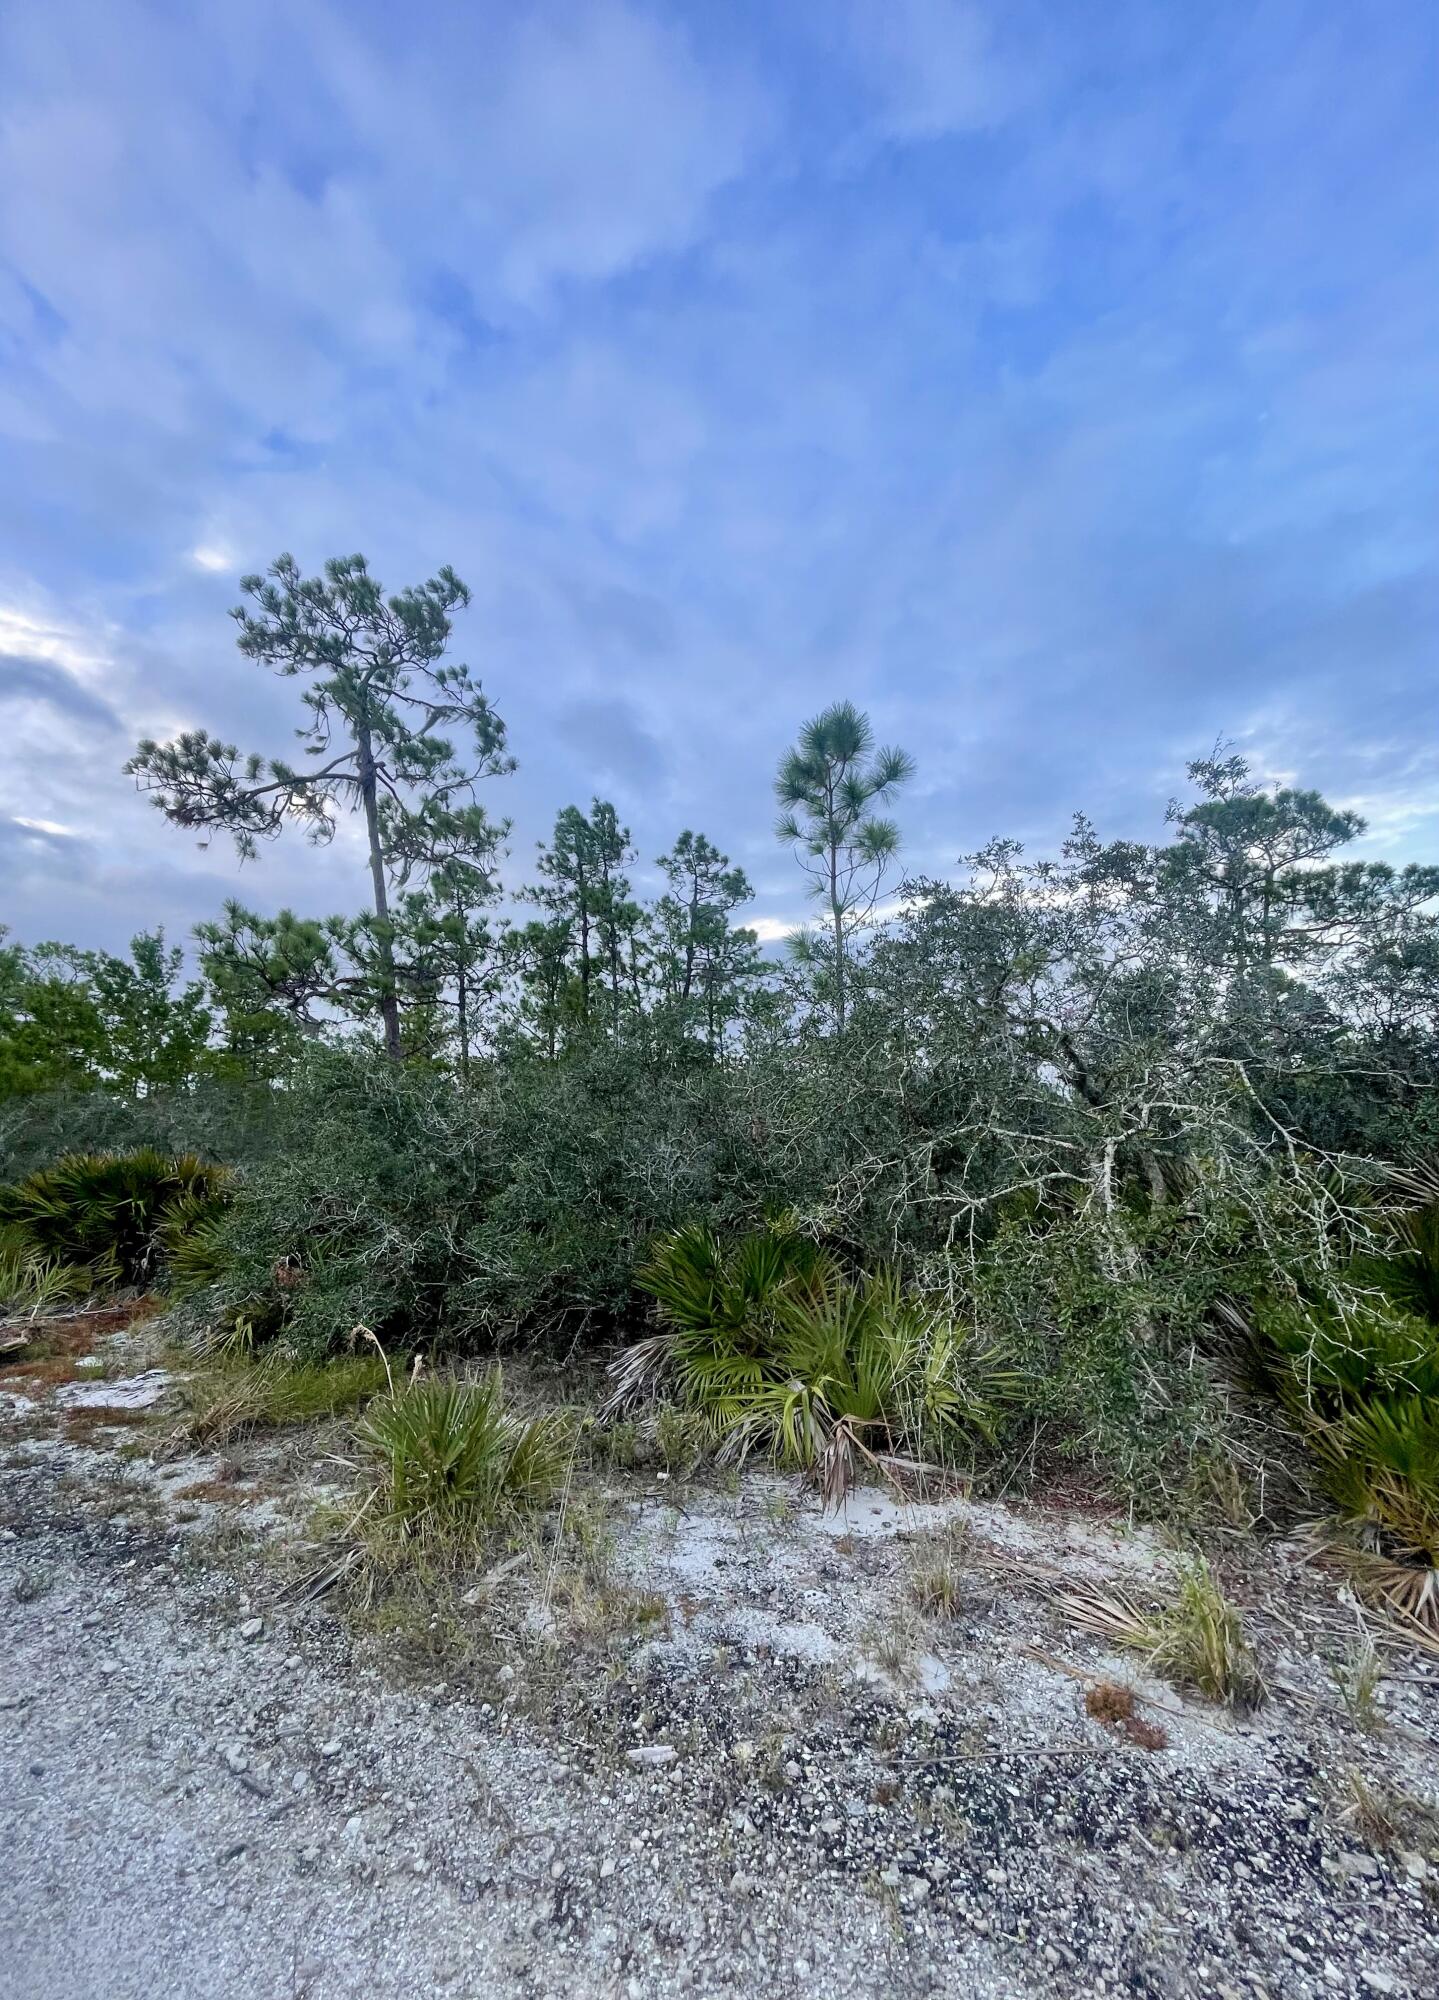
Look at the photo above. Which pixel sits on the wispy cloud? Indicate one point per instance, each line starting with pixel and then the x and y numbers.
pixel 1055 384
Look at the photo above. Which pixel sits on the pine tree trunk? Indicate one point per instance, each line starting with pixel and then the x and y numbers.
pixel 838 942
pixel 389 999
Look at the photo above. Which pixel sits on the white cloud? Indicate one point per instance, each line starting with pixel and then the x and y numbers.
pixel 209 555
pixel 50 826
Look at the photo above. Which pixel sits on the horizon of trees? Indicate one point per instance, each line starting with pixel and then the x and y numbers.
pixel 1247 903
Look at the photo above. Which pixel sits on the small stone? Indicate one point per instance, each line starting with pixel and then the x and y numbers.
pixel 650 1756
pixel 108 1667
pixel 1358 1864
pixel 607 1868
pixel 330 1749
pixel 236 1757
pixel 1378 1982
pixel 299 1781
pixel 252 1628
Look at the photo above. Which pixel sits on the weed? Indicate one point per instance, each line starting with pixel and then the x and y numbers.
pixel 682 1439
pixel 33 1584
pixel 33 1284
pixel 779 1509
pixel 935 1577
pixel 1197 1640
pixel 617 1443
pixel 453 1459
pixel 1357 1677
pixel 1383 1817
pixel 892 1645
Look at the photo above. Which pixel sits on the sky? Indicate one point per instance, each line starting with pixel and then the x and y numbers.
pixel 1055 380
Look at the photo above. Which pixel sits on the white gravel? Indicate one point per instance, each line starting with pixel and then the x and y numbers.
pixel 205 1795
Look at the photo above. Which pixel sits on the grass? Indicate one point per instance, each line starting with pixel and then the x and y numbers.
pixel 936 1576
pixel 1196 1640
pixel 451 1459
pixel 235 1398
pixel 1384 1818
pixel 1358 1677
pixel 33 1284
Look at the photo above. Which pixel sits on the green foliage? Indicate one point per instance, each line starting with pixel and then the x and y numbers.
pixel 453 1460
pixel 783 1353
pixel 385 713
pixel 112 1213
pixel 457 1220
pixel 1198 1640
pixel 31 1283
pixel 828 787
pixel 86 1020
pixel 235 1397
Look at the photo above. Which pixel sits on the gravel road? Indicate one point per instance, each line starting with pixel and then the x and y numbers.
pixel 206 1797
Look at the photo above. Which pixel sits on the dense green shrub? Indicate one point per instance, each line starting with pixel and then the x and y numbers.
pixel 464 1218
pixel 240 1124
pixel 1358 1364
pixel 109 1213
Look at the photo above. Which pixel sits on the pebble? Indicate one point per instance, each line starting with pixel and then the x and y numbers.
pixel 650 1755
pixel 252 1628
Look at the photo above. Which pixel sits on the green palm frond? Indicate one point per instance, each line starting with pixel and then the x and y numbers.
pixel 785 1355
pixel 107 1211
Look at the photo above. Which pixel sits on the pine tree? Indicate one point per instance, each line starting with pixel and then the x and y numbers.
pixel 827 787
pixel 380 702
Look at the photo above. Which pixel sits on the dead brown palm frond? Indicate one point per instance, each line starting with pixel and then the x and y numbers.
pixel 1408 1631
pixel 1106 1613
pixel 1405 1590
pixel 636 1372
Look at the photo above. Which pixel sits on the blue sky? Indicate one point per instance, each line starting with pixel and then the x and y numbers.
pixel 1054 379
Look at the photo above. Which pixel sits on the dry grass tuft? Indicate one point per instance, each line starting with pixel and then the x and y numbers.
pixel 1109 1702
pixel 1196 1641
pixel 1116 1706
pixel 936 1577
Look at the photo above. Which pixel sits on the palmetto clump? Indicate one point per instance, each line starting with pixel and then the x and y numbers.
pixel 113 1215
pixel 1360 1369
pixel 787 1355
